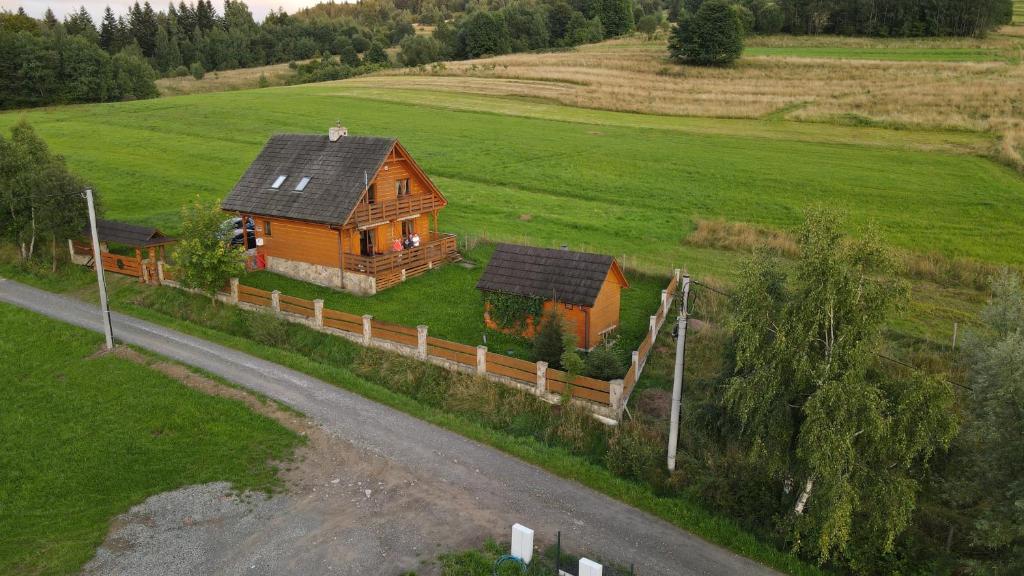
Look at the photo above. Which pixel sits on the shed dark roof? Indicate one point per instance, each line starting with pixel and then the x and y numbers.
pixel 337 173
pixel 569 277
pixel 129 234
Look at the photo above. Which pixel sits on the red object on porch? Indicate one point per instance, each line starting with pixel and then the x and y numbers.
pixel 261 261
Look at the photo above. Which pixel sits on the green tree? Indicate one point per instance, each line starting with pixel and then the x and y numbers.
pixel 204 260
pixel 109 32
pixel 616 17
pixel 844 437
pixel 548 342
pixel 711 37
pixel 133 77
pixel 994 431
pixel 376 55
pixel 80 24
pixel 527 27
pixel 197 70
pixel 483 34
pixel 418 50
pixel 647 25
pixel 41 199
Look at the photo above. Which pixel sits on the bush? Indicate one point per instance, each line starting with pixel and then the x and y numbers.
pixel 197 70
pixel 768 17
pixel 179 72
pixel 634 452
pixel 263 82
pixel 419 50
pixel 268 329
pixel 746 18
pixel 603 364
pixel 647 25
pixel 711 37
pixel 548 342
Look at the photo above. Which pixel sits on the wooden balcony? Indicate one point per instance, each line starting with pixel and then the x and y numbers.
pixel 394 267
pixel 389 210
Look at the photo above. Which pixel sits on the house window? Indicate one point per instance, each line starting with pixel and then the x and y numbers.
pixel 266 227
pixel 371 194
pixel 402 187
pixel 302 184
pixel 408 227
pixel 277 183
pixel 568 306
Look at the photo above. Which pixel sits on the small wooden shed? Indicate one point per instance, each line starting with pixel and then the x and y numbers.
pixel 582 287
pixel 122 233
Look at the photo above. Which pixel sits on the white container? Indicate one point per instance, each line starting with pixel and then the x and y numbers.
pixel 589 568
pixel 522 542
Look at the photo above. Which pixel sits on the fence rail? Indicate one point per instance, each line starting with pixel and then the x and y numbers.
pixel 607 398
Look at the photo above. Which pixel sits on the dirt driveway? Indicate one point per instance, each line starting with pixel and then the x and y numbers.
pixel 344 511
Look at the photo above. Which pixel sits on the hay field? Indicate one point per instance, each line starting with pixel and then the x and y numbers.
pixel 978 87
pixel 224 81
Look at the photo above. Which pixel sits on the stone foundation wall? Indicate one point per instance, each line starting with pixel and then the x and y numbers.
pixel 361 284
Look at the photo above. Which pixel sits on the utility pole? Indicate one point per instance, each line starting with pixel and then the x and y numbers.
pixel 677 381
pixel 98 264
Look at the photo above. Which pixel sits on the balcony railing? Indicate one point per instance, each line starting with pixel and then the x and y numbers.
pixel 393 267
pixel 388 210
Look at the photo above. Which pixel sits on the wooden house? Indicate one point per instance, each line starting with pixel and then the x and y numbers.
pixel 583 288
pixel 328 208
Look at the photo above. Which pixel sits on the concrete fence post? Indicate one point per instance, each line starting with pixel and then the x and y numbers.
pixel 635 359
pixel 421 341
pixel 403 274
pixel 664 300
pixel 542 377
pixel 160 271
pixel 481 360
pixel 654 328
pixel 616 390
pixel 233 283
pixel 275 300
pixel 318 312
pixel 676 273
pixel 367 329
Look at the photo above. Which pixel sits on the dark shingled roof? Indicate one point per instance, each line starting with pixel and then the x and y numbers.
pixel 129 234
pixel 337 173
pixel 561 275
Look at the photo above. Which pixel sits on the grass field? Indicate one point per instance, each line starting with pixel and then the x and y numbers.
pixel 618 189
pixel 240 79
pixel 84 438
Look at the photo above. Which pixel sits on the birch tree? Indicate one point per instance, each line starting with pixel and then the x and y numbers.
pixel 844 438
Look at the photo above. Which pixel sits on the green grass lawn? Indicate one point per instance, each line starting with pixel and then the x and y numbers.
pixel 605 187
pixel 84 438
pixel 1018 11
pixel 460 318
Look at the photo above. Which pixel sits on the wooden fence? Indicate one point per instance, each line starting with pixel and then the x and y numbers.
pixel 605 398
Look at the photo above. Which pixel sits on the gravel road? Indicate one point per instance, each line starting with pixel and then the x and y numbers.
pixel 503 488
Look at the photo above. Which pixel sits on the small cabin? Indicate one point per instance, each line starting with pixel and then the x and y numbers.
pixel 340 210
pixel 583 288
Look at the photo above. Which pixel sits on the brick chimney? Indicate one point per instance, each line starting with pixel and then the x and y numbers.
pixel 337 132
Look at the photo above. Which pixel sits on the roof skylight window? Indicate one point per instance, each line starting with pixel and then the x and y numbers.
pixel 277 183
pixel 302 184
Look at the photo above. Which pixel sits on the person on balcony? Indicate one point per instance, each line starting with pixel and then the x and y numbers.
pixel 415 240
pixel 396 245
pixel 406 242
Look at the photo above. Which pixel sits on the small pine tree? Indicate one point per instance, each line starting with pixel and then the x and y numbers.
pixel 547 343
pixel 604 364
pixel 711 37
pixel 197 71
pixel 376 55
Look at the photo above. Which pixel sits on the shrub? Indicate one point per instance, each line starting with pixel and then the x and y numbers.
pixel 263 82
pixel 570 359
pixel 197 71
pixel 746 18
pixel 647 25
pixel 603 363
pixel 711 37
pixel 376 55
pixel 768 17
pixel 179 72
pixel 265 328
pixel 417 50
pixel 578 431
pixel 547 343
pixel 634 451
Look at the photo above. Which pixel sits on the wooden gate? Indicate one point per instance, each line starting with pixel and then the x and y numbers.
pixel 127 265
